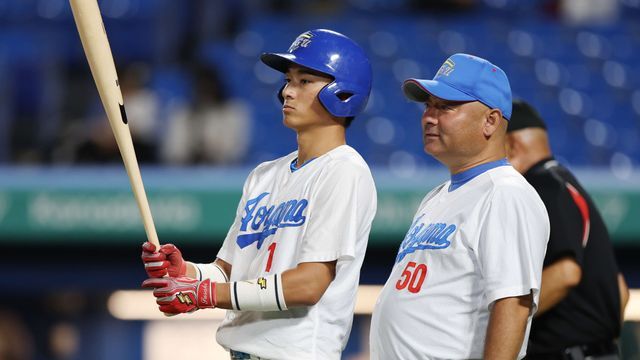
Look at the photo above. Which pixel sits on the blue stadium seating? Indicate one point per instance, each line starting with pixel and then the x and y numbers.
pixel 572 74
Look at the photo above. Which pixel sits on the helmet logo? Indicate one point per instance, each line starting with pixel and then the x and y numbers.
pixel 302 41
pixel 447 68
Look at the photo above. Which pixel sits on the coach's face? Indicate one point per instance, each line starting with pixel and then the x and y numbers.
pixel 301 108
pixel 452 130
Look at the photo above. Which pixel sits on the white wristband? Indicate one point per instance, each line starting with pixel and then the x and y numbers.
pixel 262 294
pixel 210 271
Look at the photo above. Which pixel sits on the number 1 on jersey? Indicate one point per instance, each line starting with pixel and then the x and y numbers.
pixel 413 279
pixel 272 249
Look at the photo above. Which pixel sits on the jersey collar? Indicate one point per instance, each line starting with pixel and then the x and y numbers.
pixel 459 179
pixel 294 164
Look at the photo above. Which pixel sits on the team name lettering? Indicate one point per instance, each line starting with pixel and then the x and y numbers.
pixel 264 220
pixel 420 237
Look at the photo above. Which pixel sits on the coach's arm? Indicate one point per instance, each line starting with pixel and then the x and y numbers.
pixel 557 280
pixel 507 326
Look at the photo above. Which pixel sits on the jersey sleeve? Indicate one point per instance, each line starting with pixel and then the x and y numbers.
pixel 567 228
pixel 342 209
pixel 512 243
pixel 226 251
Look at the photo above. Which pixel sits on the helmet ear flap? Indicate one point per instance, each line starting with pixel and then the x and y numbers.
pixel 343 99
pixel 344 95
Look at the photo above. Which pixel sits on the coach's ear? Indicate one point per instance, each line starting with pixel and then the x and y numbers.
pixel 492 122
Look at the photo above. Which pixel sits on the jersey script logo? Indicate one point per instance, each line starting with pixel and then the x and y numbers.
pixel 420 237
pixel 263 221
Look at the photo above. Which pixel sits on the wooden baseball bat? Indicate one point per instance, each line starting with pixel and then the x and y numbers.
pixel 96 46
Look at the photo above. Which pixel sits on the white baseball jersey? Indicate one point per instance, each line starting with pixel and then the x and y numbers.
pixel 318 213
pixel 475 239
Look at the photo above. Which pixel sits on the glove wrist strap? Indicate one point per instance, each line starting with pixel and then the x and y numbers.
pixel 206 293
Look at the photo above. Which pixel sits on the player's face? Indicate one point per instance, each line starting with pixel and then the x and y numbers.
pixel 301 108
pixel 452 130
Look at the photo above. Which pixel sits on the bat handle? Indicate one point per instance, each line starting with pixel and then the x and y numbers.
pixel 133 170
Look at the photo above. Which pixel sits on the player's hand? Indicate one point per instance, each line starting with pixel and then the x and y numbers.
pixel 168 260
pixel 182 294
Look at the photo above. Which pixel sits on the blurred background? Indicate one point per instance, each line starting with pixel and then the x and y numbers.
pixel 203 111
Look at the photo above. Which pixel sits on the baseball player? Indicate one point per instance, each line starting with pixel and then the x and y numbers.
pixel 289 267
pixel 583 296
pixel 466 279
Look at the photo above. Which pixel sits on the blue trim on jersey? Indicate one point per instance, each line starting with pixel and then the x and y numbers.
pixel 294 164
pixel 457 180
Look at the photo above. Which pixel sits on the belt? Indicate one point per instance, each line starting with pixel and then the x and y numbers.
pixel 580 352
pixel 239 355
pixel 591 350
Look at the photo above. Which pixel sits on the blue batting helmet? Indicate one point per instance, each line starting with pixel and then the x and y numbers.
pixel 333 54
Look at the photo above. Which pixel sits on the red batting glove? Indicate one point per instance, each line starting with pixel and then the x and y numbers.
pixel 166 261
pixel 182 294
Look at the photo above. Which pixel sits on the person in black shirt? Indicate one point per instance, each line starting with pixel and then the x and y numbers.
pixel 583 296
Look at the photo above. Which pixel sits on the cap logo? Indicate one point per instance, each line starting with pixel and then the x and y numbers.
pixel 447 68
pixel 301 41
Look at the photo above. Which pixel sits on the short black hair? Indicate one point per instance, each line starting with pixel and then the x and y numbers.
pixel 524 116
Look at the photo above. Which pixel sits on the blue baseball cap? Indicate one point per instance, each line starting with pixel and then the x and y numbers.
pixel 465 77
